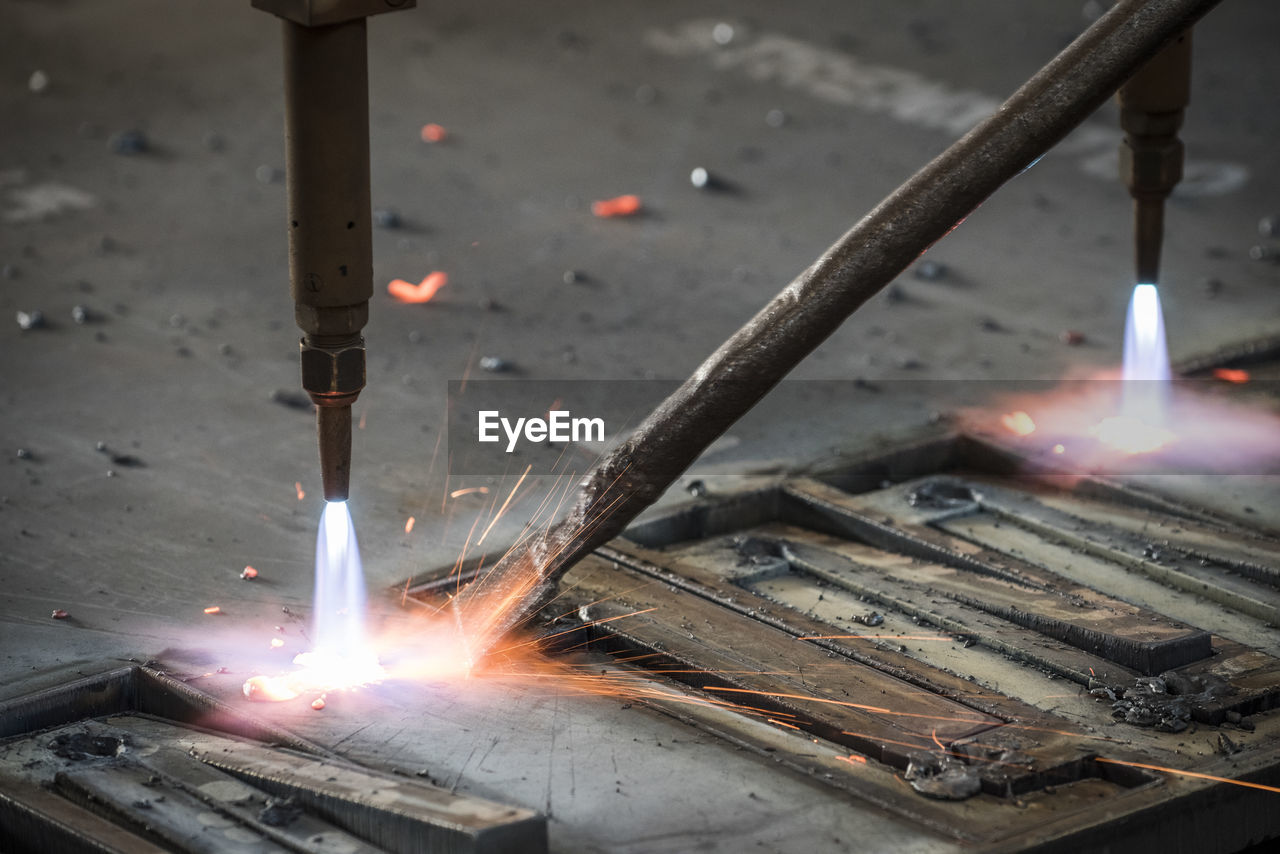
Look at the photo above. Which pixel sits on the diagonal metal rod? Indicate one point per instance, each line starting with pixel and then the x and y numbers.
pixel 869 256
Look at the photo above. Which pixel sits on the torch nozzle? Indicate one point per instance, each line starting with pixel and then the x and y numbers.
pixel 333 427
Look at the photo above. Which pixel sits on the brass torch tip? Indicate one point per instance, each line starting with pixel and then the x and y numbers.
pixel 333 426
pixel 1148 235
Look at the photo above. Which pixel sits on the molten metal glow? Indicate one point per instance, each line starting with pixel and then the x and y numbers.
pixel 1019 423
pixel 620 206
pixel 342 656
pixel 421 292
pixel 1231 375
pixel 432 132
pixel 297 487
pixel 1131 435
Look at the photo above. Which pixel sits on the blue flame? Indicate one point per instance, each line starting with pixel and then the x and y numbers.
pixel 338 618
pixel 1146 358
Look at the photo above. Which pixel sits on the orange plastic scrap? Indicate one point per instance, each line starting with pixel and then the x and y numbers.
pixel 432 132
pixel 421 292
pixel 1231 375
pixel 620 206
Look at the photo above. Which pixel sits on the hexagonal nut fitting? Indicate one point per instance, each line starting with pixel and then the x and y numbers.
pixel 332 371
pixel 1151 168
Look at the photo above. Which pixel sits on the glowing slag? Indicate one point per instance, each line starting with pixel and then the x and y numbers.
pixel 1141 426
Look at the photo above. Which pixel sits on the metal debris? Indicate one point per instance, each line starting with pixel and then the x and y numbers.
pixel 81 745
pixel 30 320
pixel 1269 226
pixel 24 454
pixel 279 812
pixel 249 573
pixel 700 178
pixel 696 488
pixel 128 142
pixel 722 33
pixel 80 315
pixel 954 781
pixel 293 400
pixel 775 118
pixel 930 271
pixel 60 614
pixel 942 494
pixel 1263 253
pixel 572 276
pixel 1071 337
pixel 1165 702
pixel 38 81
pixel 871 618
pixel 494 364
pixel 386 218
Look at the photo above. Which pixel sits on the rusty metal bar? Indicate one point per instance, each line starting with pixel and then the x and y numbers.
pixel 870 255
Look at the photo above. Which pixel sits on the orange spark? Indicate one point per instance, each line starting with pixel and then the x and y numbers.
pixel 503 509
pixel 364 415
pixel 408 525
pixel 620 206
pixel 298 488
pixel 1019 423
pixel 853 759
pixel 1231 375
pixel 248 573
pixel 934 736
pixel 1194 774
pixel 421 292
pixel 470 490
pixel 213 609
pixel 432 132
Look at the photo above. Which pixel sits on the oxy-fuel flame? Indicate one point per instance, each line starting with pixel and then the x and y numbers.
pixel 338 618
pixel 1142 425
pixel 341 656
